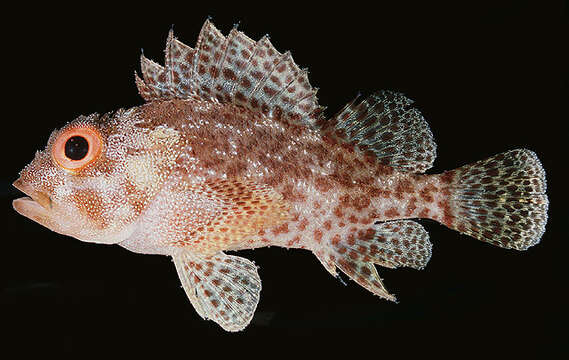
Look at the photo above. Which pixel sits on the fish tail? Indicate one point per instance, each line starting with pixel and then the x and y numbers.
pixel 500 200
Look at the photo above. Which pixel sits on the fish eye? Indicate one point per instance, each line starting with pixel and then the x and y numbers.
pixel 77 147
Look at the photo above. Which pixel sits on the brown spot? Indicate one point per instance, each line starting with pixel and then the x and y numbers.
pixel 245 83
pixel 327 225
pixel 448 218
pixel 392 213
pixel 369 234
pixel 361 202
pixel 323 184
pixel 383 170
pixel 338 212
pixel 377 192
pixel 447 177
pixel 411 207
pixel 303 224
pixel 424 213
pixel 330 140
pixel 257 75
pixel 229 74
pixel 404 187
pixel 281 229
pixel 351 238
pixel 336 240
pixel 426 193
pixel 213 71
pixel 353 219
pixel 318 235
pixel 345 200
pixel 294 240
pixel 269 91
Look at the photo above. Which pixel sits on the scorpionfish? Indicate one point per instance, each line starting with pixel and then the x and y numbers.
pixel 232 151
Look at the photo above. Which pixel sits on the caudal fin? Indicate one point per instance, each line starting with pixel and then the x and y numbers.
pixel 500 200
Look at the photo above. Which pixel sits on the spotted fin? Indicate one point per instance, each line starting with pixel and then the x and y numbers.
pixel 235 70
pixel 386 124
pixel 246 207
pixel 401 243
pixel 222 288
pixel 500 200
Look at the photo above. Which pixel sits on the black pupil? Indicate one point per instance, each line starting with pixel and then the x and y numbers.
pixel 76 148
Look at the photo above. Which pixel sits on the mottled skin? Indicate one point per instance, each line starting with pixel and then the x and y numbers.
pixel 325 188
pixel 161 159
pixel 231 152
pixel 101 202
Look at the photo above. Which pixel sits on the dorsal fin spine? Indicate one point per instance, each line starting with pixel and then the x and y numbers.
pixel 168 59
pixel 232 69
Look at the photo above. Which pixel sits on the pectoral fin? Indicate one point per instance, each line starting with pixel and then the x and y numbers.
pixel 222 288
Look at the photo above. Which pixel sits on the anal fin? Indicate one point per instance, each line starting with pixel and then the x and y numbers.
pixel 391 244
pixel 222 287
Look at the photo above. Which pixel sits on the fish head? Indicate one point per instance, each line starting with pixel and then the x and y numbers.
pixel 96 176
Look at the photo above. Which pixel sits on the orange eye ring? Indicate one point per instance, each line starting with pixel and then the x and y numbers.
pixel 75 148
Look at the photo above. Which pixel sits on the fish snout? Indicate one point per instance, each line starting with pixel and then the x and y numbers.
pixel 36 196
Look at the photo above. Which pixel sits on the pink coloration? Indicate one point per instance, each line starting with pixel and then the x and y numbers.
pixel 231 152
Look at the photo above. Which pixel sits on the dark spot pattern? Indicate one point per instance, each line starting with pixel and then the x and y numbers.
pixel 232 69
pixel 390 244
pixel 385 124
pixel 501 200
pixel 222 287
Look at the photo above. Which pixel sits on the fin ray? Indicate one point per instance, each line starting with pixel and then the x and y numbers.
pixel 222 287
pixel 390 244
pixel 235 70
pixel 500 200
pixel 385 124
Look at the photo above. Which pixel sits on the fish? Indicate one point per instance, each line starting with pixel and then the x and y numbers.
pixel 231 150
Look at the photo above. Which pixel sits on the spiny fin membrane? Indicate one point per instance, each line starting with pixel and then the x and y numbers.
pixel 391 244
pixel 501 200
pixel 233 70
pixel 387 125
pixel 222 288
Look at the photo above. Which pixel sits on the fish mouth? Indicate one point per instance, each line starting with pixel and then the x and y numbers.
pixel 35 204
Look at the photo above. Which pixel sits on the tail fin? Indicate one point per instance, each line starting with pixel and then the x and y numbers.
pixel 500 200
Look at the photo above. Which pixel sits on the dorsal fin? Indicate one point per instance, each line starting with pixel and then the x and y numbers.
pixel 387 125
pixel 232 69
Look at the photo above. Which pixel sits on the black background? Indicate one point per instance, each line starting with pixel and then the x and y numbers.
pixel 488 78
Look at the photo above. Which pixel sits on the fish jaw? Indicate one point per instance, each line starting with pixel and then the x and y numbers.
pixel 39 207
pixel 36 206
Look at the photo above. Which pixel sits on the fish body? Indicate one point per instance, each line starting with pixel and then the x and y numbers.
pixel 231 151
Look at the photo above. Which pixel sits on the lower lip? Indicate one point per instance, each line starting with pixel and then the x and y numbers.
pixel 27 206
